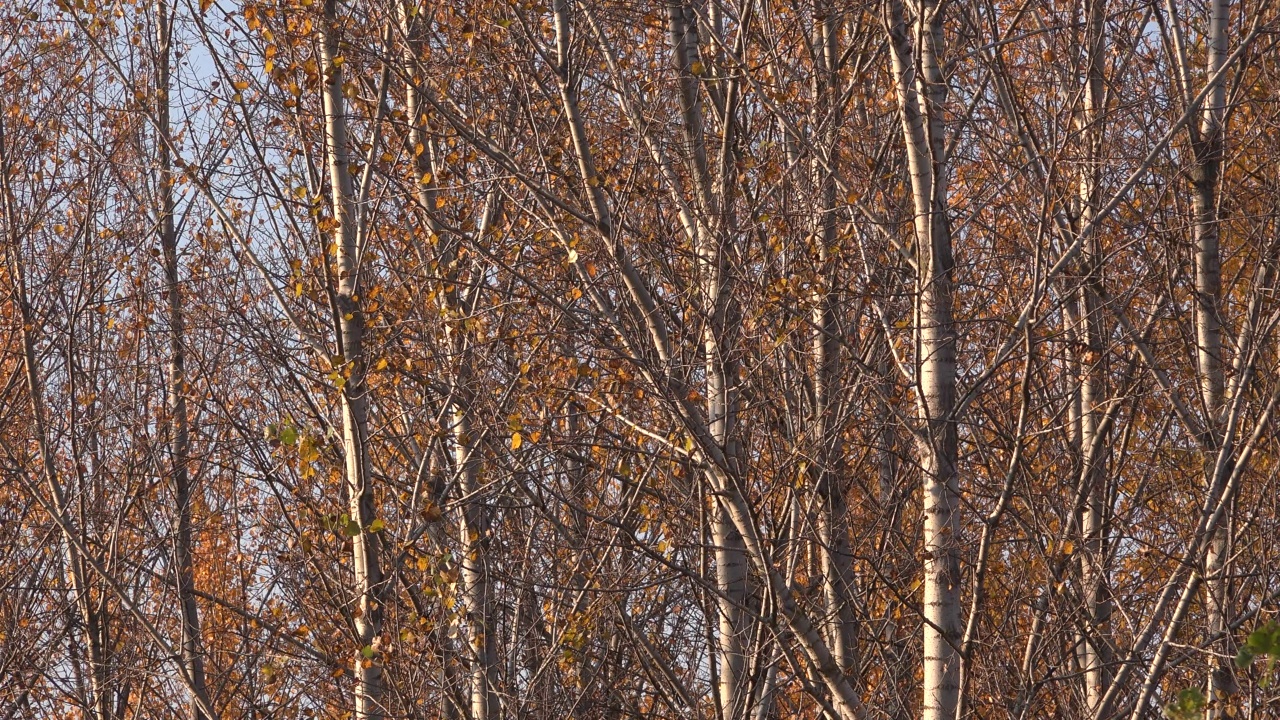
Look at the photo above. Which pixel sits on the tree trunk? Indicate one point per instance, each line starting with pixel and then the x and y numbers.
pixel 834 551
pixel 734 634
pixel 1088 360
pixel 921 94
pixel 176 418
pixel 474 527
pixel 352 364
pixel 1206 179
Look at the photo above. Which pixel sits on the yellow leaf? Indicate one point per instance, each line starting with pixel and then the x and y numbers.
pixel 516 441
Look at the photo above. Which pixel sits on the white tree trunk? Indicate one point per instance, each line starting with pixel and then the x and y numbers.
pixel 734 634
pixel 352 363
pixel 921 94
pixel 1088 359
pixel 1206 179
pixel 474 526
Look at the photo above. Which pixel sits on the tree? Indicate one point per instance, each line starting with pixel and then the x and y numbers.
pixel 595 360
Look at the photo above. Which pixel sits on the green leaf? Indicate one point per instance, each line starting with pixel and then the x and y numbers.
pixel 1189 705
pixel 367 652
pixel 288 435
pixel 377 525
pixel 1244 658
pixel 1264 640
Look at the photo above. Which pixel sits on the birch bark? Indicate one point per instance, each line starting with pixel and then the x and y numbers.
pixel 474 526
pixel 921 95
pixel 1089 362
pixel 942 520
pixel 1206 180
pixel 351 364
pixel 711 238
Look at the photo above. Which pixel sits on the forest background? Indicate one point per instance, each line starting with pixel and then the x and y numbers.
pixel 587 359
